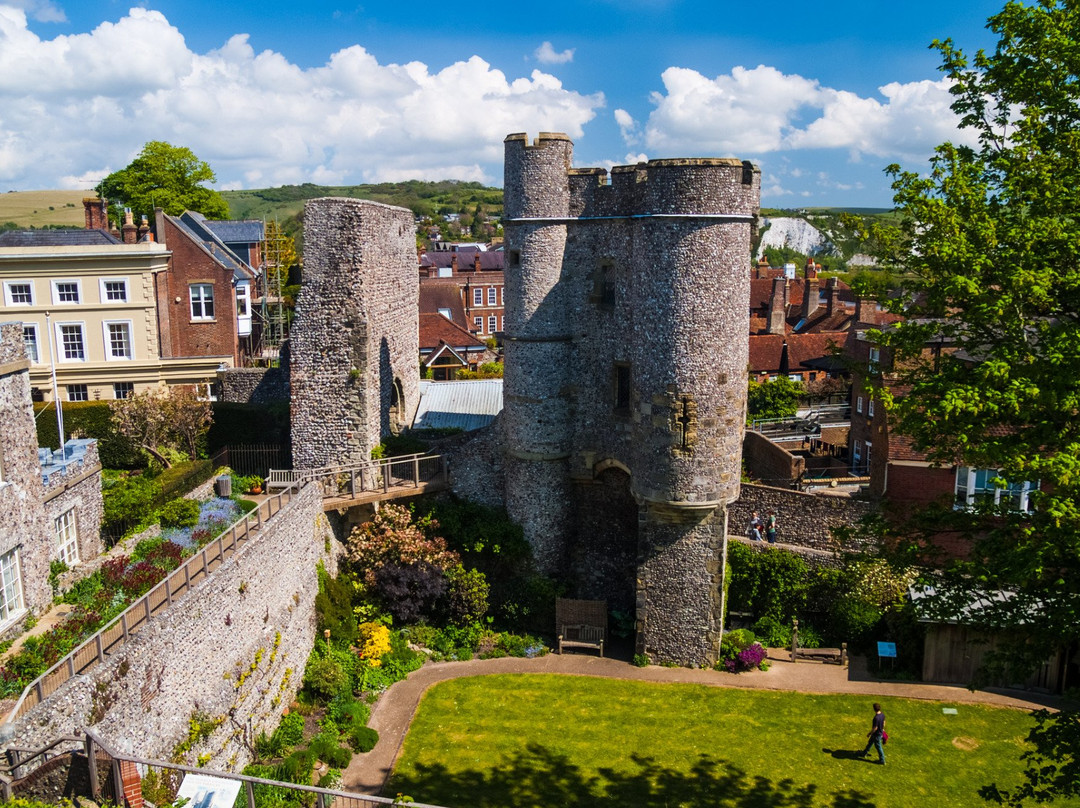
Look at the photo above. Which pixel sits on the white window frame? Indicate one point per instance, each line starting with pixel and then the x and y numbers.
pixel 967 492
pixel 67 390
pixel 875 360
pixel 202 301
pixel 492 296
pixel 856 455
pixel 478 296
pixel 858 405
pixel 61 355
pixel 109 355
pixel 11 596
pixel 492 324
pixel 478 324
pixel 34 357
pixel 447 313
pixel 243 296
pixel 102 288
pixel 65 528
pixel 9 297
pixel 116 390
pixel 870 407
pixel 57 282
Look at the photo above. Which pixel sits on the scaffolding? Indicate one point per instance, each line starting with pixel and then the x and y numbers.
pixel 274 320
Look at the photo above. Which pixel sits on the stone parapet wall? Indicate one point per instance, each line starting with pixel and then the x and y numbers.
pixel 231 651
pixel 770 462
pixel 803 519
pixel 254 385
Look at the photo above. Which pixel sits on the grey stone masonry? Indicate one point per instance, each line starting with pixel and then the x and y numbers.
pixel 803 519
pixel 627 322
pixel 229 654
pixel 354 340
pixel 72 479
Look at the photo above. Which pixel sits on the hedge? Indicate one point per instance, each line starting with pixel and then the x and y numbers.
pixel 247 423
pixel 91 418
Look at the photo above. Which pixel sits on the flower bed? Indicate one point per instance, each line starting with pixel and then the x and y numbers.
pixel 104 594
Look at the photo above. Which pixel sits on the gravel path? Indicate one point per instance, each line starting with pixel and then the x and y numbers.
pixel 395 709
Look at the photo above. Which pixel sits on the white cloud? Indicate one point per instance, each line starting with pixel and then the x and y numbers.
pixel 82 105
pixel 547 55
pixel 761 110
pixel 628 127
pixel 40 10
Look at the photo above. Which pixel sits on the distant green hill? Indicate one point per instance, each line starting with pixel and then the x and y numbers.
pixel 425 199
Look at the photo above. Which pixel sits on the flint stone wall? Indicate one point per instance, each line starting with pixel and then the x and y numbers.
pixel 354 337
pixel 766 460
pixel 233 649
pixel 254 385
pixel 803 519
pixel 79 487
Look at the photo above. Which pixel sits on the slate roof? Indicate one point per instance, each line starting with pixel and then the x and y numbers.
pixel 436 329
pixel 56 238
pixel 490 261
pixel 196 226
pixel 237 231
pixel 466 405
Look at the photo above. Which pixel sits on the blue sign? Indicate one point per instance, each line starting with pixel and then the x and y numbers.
pixel 886 649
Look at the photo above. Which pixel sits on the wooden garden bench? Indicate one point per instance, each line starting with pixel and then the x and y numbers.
pixel 581 623
pixel 834 656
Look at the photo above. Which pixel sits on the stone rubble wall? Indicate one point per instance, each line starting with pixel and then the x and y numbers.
pixel 231 653
pixel 81 491
pixel 803 519
pixel 768 461
pixel 475 461
pixel 254 385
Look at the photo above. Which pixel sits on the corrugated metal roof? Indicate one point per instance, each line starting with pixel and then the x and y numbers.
pixel 466 405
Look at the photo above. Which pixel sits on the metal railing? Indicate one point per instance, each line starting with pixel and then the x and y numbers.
pixel 98 753
pixel 31 759
pixel 389 476
pixel 116 633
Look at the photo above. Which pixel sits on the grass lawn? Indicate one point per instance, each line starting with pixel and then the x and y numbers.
pixel 547 740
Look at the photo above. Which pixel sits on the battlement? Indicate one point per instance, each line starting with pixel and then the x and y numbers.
pixel 77 457
pixel 686 186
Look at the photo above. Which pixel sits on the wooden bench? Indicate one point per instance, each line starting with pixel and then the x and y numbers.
pixel 581 624
pixel 833 656
pixel 582 636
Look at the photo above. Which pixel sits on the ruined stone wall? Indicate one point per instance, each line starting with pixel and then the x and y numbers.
pixel 476 464
pixel 803 519
pixel 233 650
pixel 254 385
pixel 79 487
pixel 25 528
pixel 354 340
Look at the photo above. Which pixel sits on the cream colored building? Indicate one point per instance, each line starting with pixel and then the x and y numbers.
pixel 92 310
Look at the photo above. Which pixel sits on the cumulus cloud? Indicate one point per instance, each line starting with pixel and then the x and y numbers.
pixel 75 107
pixel 547 55
pixel 40 10
pixel 761 110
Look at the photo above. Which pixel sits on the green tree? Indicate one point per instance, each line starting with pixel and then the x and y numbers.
pixel 165 176
pixel 990 351
pixel 777 399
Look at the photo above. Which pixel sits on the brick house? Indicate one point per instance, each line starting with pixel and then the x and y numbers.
pixel 446 347
pixel 479 277
pixel 204 300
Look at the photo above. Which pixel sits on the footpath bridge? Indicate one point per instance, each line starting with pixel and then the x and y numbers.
pixel 370 480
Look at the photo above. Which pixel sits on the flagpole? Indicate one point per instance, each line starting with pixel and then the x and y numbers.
pixel 55 388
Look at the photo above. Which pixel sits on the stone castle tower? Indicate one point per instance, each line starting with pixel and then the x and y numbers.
pixel 354 341
pixel 627 307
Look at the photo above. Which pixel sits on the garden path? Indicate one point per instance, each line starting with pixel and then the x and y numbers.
pixel 367 773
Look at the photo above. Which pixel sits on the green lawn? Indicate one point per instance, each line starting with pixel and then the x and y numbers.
pixel 546 740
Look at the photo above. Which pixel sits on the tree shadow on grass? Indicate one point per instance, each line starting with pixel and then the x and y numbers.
pixel 538 776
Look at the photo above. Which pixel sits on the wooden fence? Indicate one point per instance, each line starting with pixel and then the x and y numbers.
pixel 116 633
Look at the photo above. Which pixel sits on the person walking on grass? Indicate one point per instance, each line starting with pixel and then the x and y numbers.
pixel 877 735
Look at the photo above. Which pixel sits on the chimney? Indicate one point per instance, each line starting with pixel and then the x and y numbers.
pixel 865 311
pixel 777 309
pixel 454 263
pixel 810 295
pixel 785 361
pixel 159 225
pixel 144 228
pixel 833 291
pixel 762 268
pixel 129 230
pixel 811 269
pixel 97 213
pixel 476 261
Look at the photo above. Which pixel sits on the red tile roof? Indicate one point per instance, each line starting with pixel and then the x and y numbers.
pixel 765 350
pixel 434 328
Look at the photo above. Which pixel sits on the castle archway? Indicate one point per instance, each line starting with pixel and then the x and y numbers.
pixel 605 554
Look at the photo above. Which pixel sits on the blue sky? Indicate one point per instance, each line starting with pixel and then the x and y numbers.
pixel 821 95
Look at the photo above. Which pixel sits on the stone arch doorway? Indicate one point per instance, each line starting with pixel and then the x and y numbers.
pixel 398 417
pixel 605 554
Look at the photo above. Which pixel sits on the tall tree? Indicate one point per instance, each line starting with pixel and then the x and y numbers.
pixel 169 177
pixel 170 418
pixel 989 355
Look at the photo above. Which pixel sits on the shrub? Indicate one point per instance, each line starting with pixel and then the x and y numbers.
pixel 326 749
pixel 180 513
pixel 374 640
pixel 772 633
pixel 324 677
pixel 468 594
pixel 735 660
pixel 410 592
pixel 363 739
pixel 297 767
pixel 288 734
pixel 333 607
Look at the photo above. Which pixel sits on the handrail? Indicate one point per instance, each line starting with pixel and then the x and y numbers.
pixel 94 739
pixel 16 761
pixel 141 610
pixel 367 476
